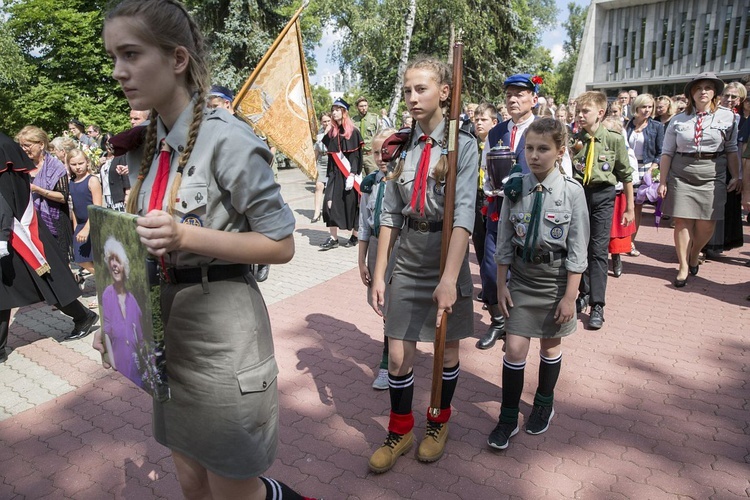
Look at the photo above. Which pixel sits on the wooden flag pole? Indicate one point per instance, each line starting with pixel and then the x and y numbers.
pixel 450 201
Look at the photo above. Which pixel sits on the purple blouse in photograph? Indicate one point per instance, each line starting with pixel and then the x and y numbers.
pixel 125 333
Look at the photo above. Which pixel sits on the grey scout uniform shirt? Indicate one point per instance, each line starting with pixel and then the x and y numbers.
pixel 719 133
pixel 397 202
pixel 226 185
pixel 564 226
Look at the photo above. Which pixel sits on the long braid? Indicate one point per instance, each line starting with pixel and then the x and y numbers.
pixel 441 169
pixel 149 151
pixel 185 156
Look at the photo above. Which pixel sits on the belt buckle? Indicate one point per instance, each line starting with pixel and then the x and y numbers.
pixel 537 259
pixel 168 275
pixel 423 226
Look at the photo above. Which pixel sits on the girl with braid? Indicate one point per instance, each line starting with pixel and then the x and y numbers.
pixel 209 208
pixel 417 295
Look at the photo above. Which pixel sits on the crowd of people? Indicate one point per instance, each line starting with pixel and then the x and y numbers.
pixel 545 193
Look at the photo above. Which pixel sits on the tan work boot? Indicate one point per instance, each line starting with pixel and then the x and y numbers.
pixel 432 446
pixel 394 446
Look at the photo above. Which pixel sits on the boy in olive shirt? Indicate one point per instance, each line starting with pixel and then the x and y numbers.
pixel 600 162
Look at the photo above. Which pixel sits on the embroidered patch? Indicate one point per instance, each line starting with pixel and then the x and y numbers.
pixel 605 167
pixel 521 230
pixel 527 218
pixel 556 232
pixel 192 220
pixel 191 170
pixel 198 197
pixel 549 216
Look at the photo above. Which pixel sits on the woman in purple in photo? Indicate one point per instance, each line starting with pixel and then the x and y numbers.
pixel 121 316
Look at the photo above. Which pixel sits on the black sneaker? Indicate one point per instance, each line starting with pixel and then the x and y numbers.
pixel 351 242
pixel 539 419
pixel 502 433
pixel 596 318
pixel 330 243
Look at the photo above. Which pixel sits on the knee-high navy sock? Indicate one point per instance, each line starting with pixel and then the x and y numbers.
pixel 276 490
pixel 549 371
pixel 401 390
pixel 450 380
pixel 512 388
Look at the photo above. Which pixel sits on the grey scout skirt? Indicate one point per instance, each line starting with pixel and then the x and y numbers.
pixel 411 310
pixel 536 290
pixel 696 188
pixel 222 376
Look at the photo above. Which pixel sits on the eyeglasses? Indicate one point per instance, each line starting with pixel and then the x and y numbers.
pixel 28 145
pixel 731 97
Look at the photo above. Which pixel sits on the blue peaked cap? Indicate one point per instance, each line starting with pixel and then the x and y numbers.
pixel 521 80
pixel 341 103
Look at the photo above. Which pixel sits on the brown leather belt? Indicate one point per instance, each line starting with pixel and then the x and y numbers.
pixel 703 156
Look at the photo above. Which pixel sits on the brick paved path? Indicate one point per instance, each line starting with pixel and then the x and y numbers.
pixel 654 405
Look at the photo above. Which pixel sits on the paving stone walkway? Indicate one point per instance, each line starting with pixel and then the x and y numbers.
pixel 655 405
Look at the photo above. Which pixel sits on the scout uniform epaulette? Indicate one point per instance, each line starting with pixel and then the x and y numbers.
pixel 368 182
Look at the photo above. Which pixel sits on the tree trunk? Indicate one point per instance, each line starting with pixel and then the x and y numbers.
pixel 408 29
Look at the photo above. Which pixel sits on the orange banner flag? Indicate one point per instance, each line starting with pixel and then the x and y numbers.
pixel 277 101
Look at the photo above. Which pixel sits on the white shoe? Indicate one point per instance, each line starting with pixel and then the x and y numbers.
pixel 381 381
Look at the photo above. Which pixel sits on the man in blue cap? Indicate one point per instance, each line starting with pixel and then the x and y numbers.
pixel 220 97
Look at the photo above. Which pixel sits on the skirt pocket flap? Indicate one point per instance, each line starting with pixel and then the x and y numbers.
pixel 259 377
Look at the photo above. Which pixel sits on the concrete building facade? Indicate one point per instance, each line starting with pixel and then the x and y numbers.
pixel 657 46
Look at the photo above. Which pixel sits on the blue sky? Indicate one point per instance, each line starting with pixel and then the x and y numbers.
pixel 552 39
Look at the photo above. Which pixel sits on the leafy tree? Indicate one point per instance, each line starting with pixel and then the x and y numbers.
pixel 321 99
pixel 497 37
pixel 240 32
pixel 70 73
pixel 572 46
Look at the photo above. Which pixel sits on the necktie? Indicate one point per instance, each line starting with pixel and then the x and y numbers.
pixel 589 162
pixel 156 201
pixel 529 245
pixel 699 129
pixel 513 138
pixel 419 191
pixel 480 178
pixel 378 208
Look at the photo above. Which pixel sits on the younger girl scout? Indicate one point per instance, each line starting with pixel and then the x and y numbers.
pixel 418 295
pixel 543 235
pixel 370 211
pixel 209 208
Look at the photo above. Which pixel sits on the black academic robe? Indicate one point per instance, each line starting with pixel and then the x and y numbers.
pixel 344 209
pixel 19 283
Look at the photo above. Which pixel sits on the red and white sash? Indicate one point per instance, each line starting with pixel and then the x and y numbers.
pixel 25 240
pixel 342 162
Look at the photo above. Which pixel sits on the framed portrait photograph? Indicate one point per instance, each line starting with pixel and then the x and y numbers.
pixel 128 301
